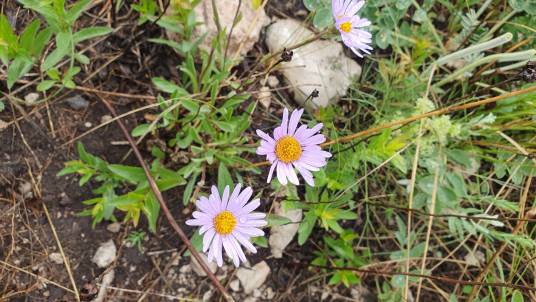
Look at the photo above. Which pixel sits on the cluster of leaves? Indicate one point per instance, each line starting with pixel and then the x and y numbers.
pixel 113 178
pixel 21 52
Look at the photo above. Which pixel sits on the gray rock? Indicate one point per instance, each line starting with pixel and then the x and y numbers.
pixel 319 65
pixel 77 102
pixel 105 254
pixel 245 33
pixel 281 235
pixel 56 258
pixel 199 270
pixel 252 278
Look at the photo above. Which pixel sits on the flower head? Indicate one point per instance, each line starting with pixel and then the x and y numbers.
pixel 227 222
pixel 349 25
pixel 293 147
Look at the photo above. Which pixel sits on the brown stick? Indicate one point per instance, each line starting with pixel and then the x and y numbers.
pixel 414 118
pixel 165 209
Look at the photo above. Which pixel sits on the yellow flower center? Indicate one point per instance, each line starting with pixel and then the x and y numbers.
pixel 346 26
pixel 224 223
pixel 288 149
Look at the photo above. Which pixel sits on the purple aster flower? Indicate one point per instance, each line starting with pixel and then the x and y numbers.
pixel 293 147
pixel 349 25
pixel 228 222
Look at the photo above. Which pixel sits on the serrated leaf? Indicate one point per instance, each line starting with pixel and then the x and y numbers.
pixel 18 68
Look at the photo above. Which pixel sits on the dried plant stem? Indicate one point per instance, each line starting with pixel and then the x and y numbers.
pixel 164 207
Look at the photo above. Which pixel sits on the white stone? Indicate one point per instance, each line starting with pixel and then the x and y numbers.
pixel 253 278
pixel 281 235
pixel 235 285
pixel 87 125
pixel 31 97
pixel 265 97
pixel 273 81
pixel 105 118
pixel 245 33
pixel 319 65
pixel 105 254
pixel 256 293
pixel 197 267
pixel 113 227
pixel 56 258
pixel 269 293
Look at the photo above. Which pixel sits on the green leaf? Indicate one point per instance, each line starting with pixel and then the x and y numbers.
pixel 189 189
pixel 225 126
pixel 133 175
pixel 167 86
pixel 274 220
pixel 81 58
pixel 40 42
pixel 45 85
pixel 312 5
pixel 27 38
pixel 7 36
pixel 517 296
pixel 18 68
pixel 90 32
pixel 151 208
pixel 306 227
pixel 224 177
pixel 63 40
pixel 323 18
pixel 76 10
pixel 140 130
pixel 260 241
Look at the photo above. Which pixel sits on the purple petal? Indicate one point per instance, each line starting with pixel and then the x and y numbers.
pixel 204 205
pixel 291 174
pixel 197 222
pixel 284 122
pixel 281 175
pixel 225 198
pixel 294 119
pixel 215 195
pixel 245 242
pixel 270 174
pixel 314 140
pixel 250 207
pixel 217 246
pixel 207 239
pixel 265 136
pixel 229 249
pixel 237 248
pixel 308 176
pixel 250 231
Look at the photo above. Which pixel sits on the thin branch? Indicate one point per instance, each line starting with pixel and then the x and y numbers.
pixel 164 207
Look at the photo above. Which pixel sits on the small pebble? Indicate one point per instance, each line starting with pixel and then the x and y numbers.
pixel 87 124
pixel 235 285
pixel 30 98
pixel 114 227
pixel 77 102
pixel 105 118
pixel 273 81
pixel 56 258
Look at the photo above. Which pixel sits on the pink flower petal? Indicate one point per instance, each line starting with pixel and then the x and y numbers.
pixel 270 174
pixel 265 136
pixel 237 248
pixel 291 174
pixel 207 238
pixel 244 241
pixel 229 248
pixel 284 122
pixel 294 119
pixel 281 175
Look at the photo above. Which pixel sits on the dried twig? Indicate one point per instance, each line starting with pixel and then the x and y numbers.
pixel 164 207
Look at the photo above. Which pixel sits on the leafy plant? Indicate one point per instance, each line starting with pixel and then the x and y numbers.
pixel 115 178
pixel 60 23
